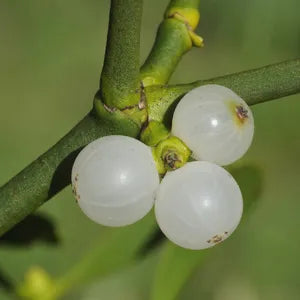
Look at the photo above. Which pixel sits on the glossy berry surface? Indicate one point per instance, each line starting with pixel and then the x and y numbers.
pixel 198 205
pixel 114 180
pixel 215 123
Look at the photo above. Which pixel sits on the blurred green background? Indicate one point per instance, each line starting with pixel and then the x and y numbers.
pixel 51 54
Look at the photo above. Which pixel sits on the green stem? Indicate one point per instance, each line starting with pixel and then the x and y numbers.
pixel 50 173
pixel 172 41
pixel 254 86
pixel 120 85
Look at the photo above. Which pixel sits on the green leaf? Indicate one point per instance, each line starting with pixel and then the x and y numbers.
pixel 130 283
pixel 174 268
pixel 116 250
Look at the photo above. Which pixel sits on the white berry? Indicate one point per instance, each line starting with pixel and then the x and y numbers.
pixel 215 123
pixel 114 180
pixel 198 205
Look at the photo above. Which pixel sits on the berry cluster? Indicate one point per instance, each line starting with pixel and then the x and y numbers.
pixel 116 183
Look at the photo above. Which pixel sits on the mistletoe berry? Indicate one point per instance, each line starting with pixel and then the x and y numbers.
pixel 215 123
pixel 114 180
pixel 198 205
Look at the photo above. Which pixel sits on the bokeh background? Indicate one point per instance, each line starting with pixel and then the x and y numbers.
pixel 51 53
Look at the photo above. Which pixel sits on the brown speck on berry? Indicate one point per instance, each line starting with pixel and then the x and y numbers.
pixel 74 190
pixel 241 113
pixel 217 238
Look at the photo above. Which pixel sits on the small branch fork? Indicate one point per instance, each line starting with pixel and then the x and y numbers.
pixel 121 88
pixel 174 38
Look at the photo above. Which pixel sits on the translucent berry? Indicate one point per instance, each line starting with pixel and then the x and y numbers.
pixel 215 123
pixel 114 180
pixel 198 205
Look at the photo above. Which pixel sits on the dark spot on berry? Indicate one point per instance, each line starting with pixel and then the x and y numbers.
pixel 216 239
pixel 241 113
